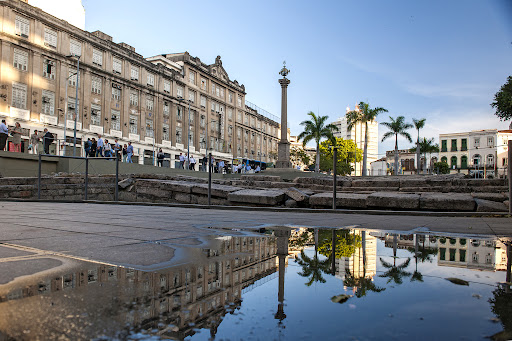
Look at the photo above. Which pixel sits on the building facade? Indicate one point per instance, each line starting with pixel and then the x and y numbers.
pixel 477 151
pixel 121 94
pixel 356 134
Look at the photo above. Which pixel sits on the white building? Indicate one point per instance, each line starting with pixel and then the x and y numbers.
pixel 379 167
pixel 356 134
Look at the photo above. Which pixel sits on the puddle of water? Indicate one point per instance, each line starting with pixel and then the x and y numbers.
pixel 281 285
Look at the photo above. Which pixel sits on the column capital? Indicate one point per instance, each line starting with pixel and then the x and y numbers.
pixel 284 82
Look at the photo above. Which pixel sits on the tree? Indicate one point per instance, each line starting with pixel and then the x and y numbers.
pixel 503 101
pixel 397 127
pixel 427 146
pixel 418 124
pixel 346 243
pixel 313 268
pixel 299 155
pixel 315 129
pixel 395 273
pixel 364 115
pixel 345 155
pixel 442 167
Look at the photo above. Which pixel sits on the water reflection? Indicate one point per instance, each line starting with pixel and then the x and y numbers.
pixel 225 288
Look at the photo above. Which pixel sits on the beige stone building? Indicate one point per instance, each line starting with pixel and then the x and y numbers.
pixel 121 94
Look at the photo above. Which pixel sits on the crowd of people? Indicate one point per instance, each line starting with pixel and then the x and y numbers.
pixel 16 132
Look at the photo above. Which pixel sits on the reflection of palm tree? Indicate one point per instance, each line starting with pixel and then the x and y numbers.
pixel 422 255
pixel 363 284
pixel 395 273
pixel 312 268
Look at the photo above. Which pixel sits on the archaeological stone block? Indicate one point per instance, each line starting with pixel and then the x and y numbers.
pixel 392 200
pixel 297 195
pixel 499 197
pixel 447 202
pixel 483 205
pixel 257 197
pixel 220 191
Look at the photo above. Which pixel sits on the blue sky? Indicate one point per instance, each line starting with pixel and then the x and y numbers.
pixel 437 59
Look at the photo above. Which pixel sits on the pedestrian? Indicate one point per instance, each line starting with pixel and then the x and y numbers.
pixel 221 167
pixel 4 134
pixel 117 148
pixel 125 153
pixel 47 140
pixel 34 143
pixel 160 158
pixel 235 169
pixel 258 169
pixel 192 163
pixel 87 147
pixel 129 153
pixel 205 163
pixel 94 147
pixel 107 148
pixel 99 146
pixel 16 137
pixel 182 160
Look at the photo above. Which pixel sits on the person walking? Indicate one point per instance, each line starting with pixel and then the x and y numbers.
pixel 205 163
pixel 47 140
pixel 94 147
pixel 99 146
pixel 192 163
pixel 87 147
pixel 125 153
pixel 182 161
pixel 117 149
pixel 129 153
pixel 107 148
pixel 4 134
pixel 34 143
pixel 221 167
pixel 160 158
pixel 16 137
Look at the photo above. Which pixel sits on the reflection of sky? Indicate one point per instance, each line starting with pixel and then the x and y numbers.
pixel 432 310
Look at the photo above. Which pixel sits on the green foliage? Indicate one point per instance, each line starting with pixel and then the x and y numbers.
pixel 397 127
pixel 346 243
pixel 501 306
pixel 312 268
pixel 442 167
pixel 503 101
pixel 298 154
pixel 345 155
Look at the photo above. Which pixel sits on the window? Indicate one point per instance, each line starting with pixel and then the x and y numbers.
pixel 134 73
pixel 96 114
pixel 462 255
pixel 464 145
pixel 149 128
pixel 475 257
pixel 116 92
pixel 203 101
pixel 202 141
pixel 150 102
pixel 20 59
pixel 191 96
pixel 117 66
pixel 454 145
pixel 134 124
pixel 50 38
pixel 75 47
pixel 72 77
pixel 151 79
pixel 444 148
pixel 239 116
pixel 96 85
pixel 166 109
pixel 191 137
pixel 178 134
pixel 178 113
pixel 490 141
pixel 22 27
pixel 191 77
pixel 452 255
pixel 97 57
pixel 165 132
pixel 49 68
pixel 72 107
pixel 48 102
pixel 230 113
pixel 476 159
pixel 453 162
pixel 167 86
pixel 490 159
pixel 239 102
pixel 115 121
pixel 203 84
pixel 19 95
pixel 477 142
pixel 134 98
pixel 202 121
pixel 179 91
pixel 230 97
pixel 222 92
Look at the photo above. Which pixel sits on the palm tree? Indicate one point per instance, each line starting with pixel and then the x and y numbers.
pixel 364 115
pixel 315 129
pixel 312 268
pixel 363 284
pixel 395 273
pixel 418 124
pixel 397 127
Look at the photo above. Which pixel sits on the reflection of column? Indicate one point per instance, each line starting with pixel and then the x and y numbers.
pixel 282 252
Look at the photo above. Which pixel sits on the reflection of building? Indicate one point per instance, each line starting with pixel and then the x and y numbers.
pixel 187 297
pixel 363 263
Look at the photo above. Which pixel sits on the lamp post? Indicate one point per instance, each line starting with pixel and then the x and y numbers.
pixel 76 99
pixel 66 114
pixel 188 133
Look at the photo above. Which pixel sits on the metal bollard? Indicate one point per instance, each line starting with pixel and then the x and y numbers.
pixel 209 179
pixel 39 179
pixel 335 157
pixel 86 176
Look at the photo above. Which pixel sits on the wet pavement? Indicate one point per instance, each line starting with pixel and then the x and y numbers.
pixel 90 271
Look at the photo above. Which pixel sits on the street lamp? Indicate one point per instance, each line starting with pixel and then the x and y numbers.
pixel 66 113
pixel 76 99
pixel 188 132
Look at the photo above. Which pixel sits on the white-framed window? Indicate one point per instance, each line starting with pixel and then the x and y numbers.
pixel 151 79
pixel 149 128
pixel 179 91
pixel 134 124
pixel 22 26
pixel 477 142
pixel 75 47
pixel 490 159
pixel 490 141
pixel 213 88
pixel 203 83
pixel 48 102
pixel 134 98
pixel 178 113
pixel 49 68
pixel 230 97
pixel 167 86
pixel 191 77
pixel 165 132
pixel 72 77
pixel 239 101
pixel 96 114
pixel 72 107
pixel 202 141
pixel 116 93
pixel 203 101
pixel 191 118
pixel 117 65
pixel 96 85
pixel 20 59
pixel 50 38
pixel 167 109
pixel 150 102
pixel 217 91
pixel 97 57
pixel 222 92
pixel 191 137
pixel 115 121
pixel 230 114
pixel 191 96
pixel 179 134
pixel 202 121
pixel 239 116
pixel 134 73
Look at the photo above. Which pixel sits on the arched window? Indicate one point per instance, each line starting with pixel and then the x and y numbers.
pixel 476 159
pixel 453 162
pixel 444 159
pixel 464 162
pixel 490 159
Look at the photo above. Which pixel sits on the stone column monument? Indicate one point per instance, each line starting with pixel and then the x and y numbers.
pixel 283 147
